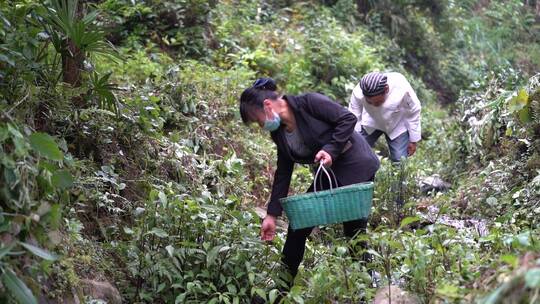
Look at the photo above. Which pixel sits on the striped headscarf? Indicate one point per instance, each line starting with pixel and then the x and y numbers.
pixel 373 84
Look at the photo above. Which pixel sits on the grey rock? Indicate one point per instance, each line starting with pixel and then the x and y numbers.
pixel 102 291
pixel 434 183
pixel 394 295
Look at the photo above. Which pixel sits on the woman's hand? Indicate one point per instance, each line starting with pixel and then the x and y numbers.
pixel 268 228
pixel 324 158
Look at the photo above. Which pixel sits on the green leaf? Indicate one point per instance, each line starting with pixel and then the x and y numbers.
pixel 55 216
pixel 525 115
pixel 17 287
pixel 449 291
pixel 524 239
pixel 341 250
pixel 520 104
pixel 161 287
pixel 212 255
pixel 45 145
pixel 10 177
pixel 519 101
pixel 231 288
pixel 374 253
pixel 298 299
pixel 260 292
pixel 62 179
pixel 511 260
pixel 162 198
pixel 158 232
pixel 42 253
pixel 273 295
pixel 5 250
pixel 532 278
pixel 7 60
pixel 509 131
pixel 180 298
pixel 170 250
pixel 4 134
pixel 408 220
pixel 492 201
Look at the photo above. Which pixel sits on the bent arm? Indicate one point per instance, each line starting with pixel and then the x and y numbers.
pixel 356 107
pixel 280 186
pixel 412 115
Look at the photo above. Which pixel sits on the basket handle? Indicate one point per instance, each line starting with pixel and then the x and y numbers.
pixel 317 177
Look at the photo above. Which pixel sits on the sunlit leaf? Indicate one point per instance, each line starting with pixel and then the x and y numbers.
pixel 170 250
pixel 520 104
pixel 510 259
pixel 449 291
pixel 374 253
pixel 409 220
pixel 158 232
pixel 273 295
pixel 42 253
pixel 7 60
pixel 212 255
pixel 519 101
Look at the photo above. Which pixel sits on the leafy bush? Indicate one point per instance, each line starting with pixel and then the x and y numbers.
pixel 35 178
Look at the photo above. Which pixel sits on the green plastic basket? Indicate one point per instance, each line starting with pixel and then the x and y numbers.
pixel 337 205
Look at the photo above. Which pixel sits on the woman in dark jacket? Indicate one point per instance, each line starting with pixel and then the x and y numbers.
pixel 306 129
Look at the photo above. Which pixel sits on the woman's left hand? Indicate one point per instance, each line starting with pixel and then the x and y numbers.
pixel 324 158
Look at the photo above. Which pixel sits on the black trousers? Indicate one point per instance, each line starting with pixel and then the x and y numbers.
pixel 295 245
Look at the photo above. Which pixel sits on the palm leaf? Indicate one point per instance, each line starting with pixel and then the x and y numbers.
pixel 103 90
pixel 63 24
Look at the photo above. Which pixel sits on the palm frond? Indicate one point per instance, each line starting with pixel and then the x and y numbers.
pixel 103 90
pixel 63 23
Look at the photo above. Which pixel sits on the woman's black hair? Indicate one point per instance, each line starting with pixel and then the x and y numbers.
pixel 253 97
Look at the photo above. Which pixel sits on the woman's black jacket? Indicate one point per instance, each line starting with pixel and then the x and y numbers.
pixel 324 125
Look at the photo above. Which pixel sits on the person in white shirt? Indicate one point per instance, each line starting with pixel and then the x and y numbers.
pixel 385 103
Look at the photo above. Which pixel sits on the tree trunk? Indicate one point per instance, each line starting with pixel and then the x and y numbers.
pixel 72 63
pixel 363 6
pixel 537 10
pixel 481 4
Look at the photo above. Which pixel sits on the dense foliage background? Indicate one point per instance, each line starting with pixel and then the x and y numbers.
pixel 127 175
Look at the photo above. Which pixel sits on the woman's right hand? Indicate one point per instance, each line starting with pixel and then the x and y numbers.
pixel 268 228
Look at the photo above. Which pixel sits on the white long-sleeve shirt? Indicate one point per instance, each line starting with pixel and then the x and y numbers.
pixel 400 111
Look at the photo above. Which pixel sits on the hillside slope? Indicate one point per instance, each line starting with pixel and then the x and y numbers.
pixel 126 172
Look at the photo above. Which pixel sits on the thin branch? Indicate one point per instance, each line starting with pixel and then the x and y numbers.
pixel 18 103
